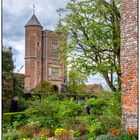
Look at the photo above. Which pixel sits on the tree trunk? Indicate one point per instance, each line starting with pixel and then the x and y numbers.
pixel 105 74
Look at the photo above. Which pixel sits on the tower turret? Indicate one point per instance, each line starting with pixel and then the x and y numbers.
pixel 33 47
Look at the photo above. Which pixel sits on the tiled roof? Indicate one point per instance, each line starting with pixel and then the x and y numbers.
pixel 33 21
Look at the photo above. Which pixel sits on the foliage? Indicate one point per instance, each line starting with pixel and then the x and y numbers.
pixel 94 31
pixel 45 133
pixel 43 117
pixel 107 137
pixel 52 113
pixel 43 112
pixel 83 129
pixel 22 104
pixel 9 118
pixel 29 130
pixel 12 83
pixel 7 78
pixel 75 82
pixel 18 84
pixel 129 137
pixel 44 87
pixel 115 132
pixel 119 137
pixel 69 108
pixel 13 135
pixel 107 122
pixel 64 134
pixel 106 104
pixel 105 113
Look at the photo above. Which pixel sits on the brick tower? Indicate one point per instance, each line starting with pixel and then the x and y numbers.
pixel 129 63
pixel 43 59
pixel 33 43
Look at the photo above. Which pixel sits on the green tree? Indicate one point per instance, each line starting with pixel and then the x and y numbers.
pixel 76 82
pixel 93 28
pixel 7 77
pixel 18 84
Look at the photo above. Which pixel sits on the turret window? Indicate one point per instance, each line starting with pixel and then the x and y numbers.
pixel 38 44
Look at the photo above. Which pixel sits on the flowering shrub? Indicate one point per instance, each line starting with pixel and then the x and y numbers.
pixel 83 128
pixel 44 133
pixel 132 131
pixel 63 134
pixel 59 131
pixel 115 132
pixel 29 130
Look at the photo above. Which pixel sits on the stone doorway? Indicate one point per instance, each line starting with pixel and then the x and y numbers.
pixel 55 88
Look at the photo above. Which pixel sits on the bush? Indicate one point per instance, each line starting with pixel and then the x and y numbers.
pixel 22 104
pixel 44 87
pixel 29 130
pixel 69 108
pixel 108 122
pixel 107 137
pixel 9 118
pixel 43 112
pixel 13 135
pixel 129 137
pixel 63 134
pixel 105 112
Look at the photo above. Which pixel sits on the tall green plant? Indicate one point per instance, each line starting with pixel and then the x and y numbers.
pixel 93 28
pixel 76 82
pixel 7 78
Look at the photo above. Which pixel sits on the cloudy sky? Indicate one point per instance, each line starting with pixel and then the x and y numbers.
pixel 16 13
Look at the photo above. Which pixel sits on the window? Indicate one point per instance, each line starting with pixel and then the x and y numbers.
pixel 54 72
pixel 54 54
pixel 54 43
pixel 38 44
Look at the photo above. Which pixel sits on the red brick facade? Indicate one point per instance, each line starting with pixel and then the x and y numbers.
pixel 129 63
pixel 42 56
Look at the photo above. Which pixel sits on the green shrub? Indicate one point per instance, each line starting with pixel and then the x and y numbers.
pixel 52 113
pixel 44 87
pixel 69 108
pixel 107 123
pixel 105 113
pixel 107 137
pixel 22 104
pixel 9 136
pixel 13 135
pixel 43 112
pixel 12 116
pixel 129 137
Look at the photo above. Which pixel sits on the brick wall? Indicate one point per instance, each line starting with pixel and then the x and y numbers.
pixel 129 64
pixel 49 62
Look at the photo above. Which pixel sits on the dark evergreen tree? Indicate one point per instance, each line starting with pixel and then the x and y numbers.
pixel 7 78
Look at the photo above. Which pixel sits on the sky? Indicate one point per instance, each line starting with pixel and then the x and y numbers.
pixel 15 15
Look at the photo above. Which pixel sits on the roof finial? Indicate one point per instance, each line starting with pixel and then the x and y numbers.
pixel 33 9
